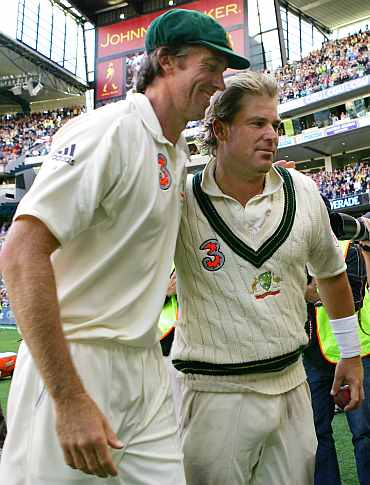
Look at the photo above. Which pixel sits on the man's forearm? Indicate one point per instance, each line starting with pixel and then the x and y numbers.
pixel 336 295
pixel 32 291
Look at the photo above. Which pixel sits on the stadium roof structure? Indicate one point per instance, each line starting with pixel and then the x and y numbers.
pixel 329 13
pixel 47 80
pixel 91 8
pixel 332 13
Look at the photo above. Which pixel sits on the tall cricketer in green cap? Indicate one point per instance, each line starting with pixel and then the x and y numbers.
pixel 187 54
pixel 180 26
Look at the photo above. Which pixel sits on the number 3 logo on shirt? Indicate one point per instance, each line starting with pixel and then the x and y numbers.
pixel 215 259
pixel 164 174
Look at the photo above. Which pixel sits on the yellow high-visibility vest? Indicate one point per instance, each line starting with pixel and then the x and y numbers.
pixel 328 344
pixel 168 317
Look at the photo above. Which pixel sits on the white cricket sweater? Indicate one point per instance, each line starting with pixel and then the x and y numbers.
pixel 233 312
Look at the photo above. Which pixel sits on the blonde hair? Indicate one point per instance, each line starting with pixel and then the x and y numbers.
pixel 226 104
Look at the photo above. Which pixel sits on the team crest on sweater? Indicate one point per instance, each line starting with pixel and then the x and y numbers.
pixel 215 259
pixel 165 178
pixel 266 284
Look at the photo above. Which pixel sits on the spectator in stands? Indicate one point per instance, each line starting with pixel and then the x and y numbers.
pixel 133 64
pixel 97 233
pixel 351 180
pixel 31 134
pixel 336 62
pixel 193 149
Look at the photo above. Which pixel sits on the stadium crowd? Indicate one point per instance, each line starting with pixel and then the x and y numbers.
pixel 336 62
pixel 351 180
pixel 28 135
pixel 31 134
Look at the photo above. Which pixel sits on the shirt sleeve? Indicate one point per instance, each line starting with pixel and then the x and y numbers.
pixel 326 258
pixel 77 180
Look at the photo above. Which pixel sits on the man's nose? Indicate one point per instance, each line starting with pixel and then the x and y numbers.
pixel 271 133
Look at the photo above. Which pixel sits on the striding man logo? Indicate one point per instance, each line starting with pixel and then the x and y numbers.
pixel 165 178
pixel 215 259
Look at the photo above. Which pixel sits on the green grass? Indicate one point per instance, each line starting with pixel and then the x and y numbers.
pixel 343 444
pixel 9 343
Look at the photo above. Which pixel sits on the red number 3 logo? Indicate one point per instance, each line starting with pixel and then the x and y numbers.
pixel 164 174
pixel 215 259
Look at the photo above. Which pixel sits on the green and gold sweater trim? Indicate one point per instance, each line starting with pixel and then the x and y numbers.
pixel 268 248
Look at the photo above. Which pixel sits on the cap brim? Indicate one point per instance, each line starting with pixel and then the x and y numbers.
pixel 234 60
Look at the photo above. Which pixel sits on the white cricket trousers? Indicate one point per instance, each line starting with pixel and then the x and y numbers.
pixel 131 387
pixel 248 438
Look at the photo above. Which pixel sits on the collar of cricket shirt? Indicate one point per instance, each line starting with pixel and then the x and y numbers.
pixel 150 120
pixel 273 182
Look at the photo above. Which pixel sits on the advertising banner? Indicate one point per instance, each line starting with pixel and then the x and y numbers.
pixel 6 318
pixel 325 94
pixel 342 127
pixel 288 127
pixel 285 141
pixel 6 314
pixel 128 35
pixel 351 201
pixel 109 79
pixel 236 38
pixel 311 135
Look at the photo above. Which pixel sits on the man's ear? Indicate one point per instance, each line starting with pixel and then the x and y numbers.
pixel 166 61
pixel 220 130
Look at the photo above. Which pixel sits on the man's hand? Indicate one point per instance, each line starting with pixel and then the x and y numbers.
pixel 350 371
pixel 285 163
pixel 311 294
pixel 171 288
pixel 85 436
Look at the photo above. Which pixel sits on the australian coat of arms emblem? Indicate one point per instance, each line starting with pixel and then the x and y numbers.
pixel 265 284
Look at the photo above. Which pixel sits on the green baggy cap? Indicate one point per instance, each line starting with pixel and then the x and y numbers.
pixel 180 26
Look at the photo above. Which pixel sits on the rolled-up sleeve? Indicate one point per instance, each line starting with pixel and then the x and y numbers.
pixel 81 171
pixel 326 258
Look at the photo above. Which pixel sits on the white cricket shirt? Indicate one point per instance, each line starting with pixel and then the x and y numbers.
pixel 111 192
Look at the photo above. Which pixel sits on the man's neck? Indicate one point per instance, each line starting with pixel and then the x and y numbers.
pixel 171 123
pixel 240 188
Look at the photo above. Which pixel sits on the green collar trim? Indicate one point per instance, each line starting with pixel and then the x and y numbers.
pixel 268 248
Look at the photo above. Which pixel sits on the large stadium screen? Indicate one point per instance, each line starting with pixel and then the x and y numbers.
pixel 120 46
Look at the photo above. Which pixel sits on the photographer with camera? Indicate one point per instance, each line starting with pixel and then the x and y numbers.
pixel 322 354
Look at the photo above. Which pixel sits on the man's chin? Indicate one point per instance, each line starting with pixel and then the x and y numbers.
pixel 265 165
